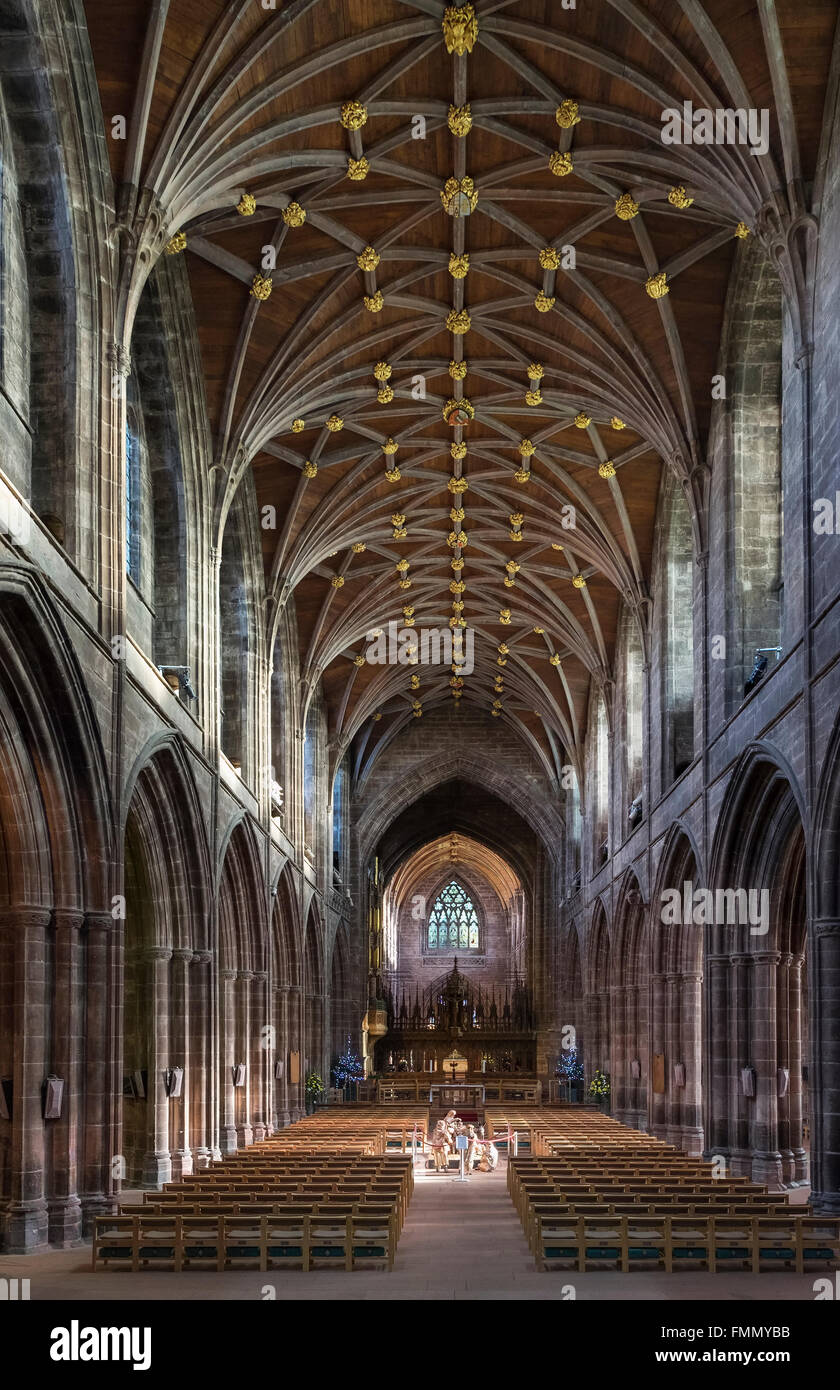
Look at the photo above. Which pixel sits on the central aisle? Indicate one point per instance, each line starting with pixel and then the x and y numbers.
pixel 465 1238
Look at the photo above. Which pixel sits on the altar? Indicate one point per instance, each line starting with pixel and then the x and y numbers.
pixel 454 1093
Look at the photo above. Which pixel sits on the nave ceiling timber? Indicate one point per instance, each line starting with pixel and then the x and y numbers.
pixel 312 110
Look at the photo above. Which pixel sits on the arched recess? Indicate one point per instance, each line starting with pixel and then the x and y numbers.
pixel 676 1022
pixel 674 626
pixel 597 998
pixel 168 1001
pixel 629 709
pixel 754 402
pixel 757 963
pixel 315 1058
pixel 45 327
pixel 243 991
pixel 161 517
pixel 597 803
pixel 240 633
pixel 629 1002
pixel 824 996
pixel 59 942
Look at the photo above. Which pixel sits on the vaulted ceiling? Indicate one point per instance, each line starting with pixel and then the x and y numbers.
pixel 343 120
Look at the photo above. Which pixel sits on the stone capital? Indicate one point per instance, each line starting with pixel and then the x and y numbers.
pixel 202 957
pixel 156 953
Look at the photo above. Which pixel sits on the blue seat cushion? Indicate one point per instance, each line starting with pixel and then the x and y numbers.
pixel 285 1250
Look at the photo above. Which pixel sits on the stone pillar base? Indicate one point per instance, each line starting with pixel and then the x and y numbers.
pixel 202 1158
pixel 245 1136
pixel 283 1119
pixel 826 1203
pixel 182 1164
pixel 767 1169
pixel 261 1131
pixel 227 1140
pixel 688 1138
pixel 65 1223
pixel 26 1228
pixel 157 1169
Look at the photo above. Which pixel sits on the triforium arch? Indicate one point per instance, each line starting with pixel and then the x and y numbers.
pixel 57 925
pixel 758 959
pixel 168 989
pixel 676 1032
pixel 243 990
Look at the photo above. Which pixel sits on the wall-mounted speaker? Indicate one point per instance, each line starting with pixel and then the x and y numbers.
pixel 173 1080
pixel 239 1073
pixel 53 1094
pixel 748 1081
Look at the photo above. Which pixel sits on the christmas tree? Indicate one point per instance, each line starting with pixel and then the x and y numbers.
pixel 570 1067
pixel 348 1070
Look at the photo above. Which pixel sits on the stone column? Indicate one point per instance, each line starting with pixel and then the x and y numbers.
pixel 766 1158
pixel 244 1127
pixel 200 1059
pixel 26 1213
pixel 798 1153
pixel 720 1068
pixel 281 1087
pixel 783 1055
pixel 227 1011
pixel 672 1051
pixel 97 1181
pixel 261 1053
pixel 157 1161
pixel 67 1044
pixel 825 1076
pixel 180 1056
pixel 294 1043
pixel 691 1105
pixel 658 1123
pixel 739 1056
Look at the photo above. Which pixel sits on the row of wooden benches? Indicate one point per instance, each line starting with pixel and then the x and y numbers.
pixel 594 1194
pixel 336 1195
pixel 307 1238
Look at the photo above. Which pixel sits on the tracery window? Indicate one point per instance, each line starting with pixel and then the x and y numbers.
pixel 453 921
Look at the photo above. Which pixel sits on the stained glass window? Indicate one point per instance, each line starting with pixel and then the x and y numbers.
pixel 453 922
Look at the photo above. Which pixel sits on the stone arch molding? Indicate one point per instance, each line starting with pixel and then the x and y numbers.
pixel 430 774
pixel 50 718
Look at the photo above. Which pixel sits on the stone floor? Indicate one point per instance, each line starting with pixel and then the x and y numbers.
pixel 461 1241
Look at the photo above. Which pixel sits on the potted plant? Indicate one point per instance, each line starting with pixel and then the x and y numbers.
pixel 314 1090
pixel 599 1087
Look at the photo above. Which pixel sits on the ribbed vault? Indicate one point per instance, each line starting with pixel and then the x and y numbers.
pixel 343 124
pixel 449 853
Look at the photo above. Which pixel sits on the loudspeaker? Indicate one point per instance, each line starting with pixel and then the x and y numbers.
pixel 635 1068
pixel 53 1094
pixel 6 1093
pixel 239 1072
pixel 278 1069
pixel 173 1080
pixel 782 1081
pixel 748 1081
pixel 139 1078
pixel 679 1074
